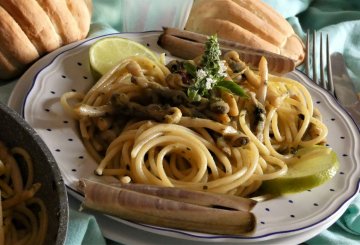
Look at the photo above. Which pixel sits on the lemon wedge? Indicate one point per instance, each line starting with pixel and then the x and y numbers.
pixel 108 52
pixel 309 168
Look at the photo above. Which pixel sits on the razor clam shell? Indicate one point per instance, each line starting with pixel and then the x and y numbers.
pixel 189 45
pixel 143 208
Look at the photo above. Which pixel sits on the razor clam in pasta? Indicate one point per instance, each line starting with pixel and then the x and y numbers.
pixel 181 125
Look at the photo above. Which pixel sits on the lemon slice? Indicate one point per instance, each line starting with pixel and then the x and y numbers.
pixel 310 167
pixel 108 52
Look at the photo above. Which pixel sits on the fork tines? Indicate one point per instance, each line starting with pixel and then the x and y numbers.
pixel 311 58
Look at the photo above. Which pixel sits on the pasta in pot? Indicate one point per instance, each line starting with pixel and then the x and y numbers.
pixel 140 126
pixel 23 217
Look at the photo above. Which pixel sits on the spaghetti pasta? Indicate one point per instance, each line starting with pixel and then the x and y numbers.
pixel 224 143
pixel 23 217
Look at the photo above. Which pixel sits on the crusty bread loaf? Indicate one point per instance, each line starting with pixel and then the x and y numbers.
pixel 31 28
pixel 250 22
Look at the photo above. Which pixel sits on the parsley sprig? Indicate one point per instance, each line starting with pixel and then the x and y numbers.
pixel 210 74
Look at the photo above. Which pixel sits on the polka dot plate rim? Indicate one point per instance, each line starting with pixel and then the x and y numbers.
pixel 279 218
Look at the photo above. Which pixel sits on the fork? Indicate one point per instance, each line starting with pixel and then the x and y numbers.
pixel 311 58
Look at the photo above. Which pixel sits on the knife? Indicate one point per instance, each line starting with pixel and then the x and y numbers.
pixel 344 88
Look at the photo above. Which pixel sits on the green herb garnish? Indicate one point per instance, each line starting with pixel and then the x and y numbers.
pixel 232 87
pixel 211 74
pixel 190 69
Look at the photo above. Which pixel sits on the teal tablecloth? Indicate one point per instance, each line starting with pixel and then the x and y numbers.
pixel 338 18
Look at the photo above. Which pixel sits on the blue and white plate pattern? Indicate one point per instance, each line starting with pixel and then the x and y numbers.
pixel 282 218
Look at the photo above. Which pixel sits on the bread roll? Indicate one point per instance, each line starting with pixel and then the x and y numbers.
pixel 249 22
pixel 31 28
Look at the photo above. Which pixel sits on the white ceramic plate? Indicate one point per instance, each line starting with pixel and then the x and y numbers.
pixel 121 231
pixel 281 218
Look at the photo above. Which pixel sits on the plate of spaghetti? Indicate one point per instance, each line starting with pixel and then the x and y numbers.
pixel 143 122
pixel 28 176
